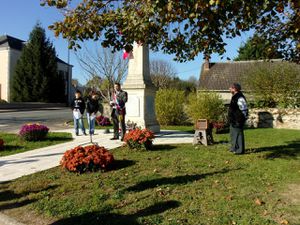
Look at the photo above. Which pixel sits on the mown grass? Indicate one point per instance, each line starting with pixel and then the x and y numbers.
pixel 173 184
pixel 14 144
pixel 189 129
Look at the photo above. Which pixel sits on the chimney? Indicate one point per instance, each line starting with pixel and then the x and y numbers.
pixel 206 62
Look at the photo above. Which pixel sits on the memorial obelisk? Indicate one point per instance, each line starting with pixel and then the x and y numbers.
pixel 140 107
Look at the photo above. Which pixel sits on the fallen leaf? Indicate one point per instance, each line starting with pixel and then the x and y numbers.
pixel 259 202
pixel 284 222
pixel 265 212
pixel 229 198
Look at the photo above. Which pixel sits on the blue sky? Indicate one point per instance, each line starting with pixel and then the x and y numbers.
pixel 18 17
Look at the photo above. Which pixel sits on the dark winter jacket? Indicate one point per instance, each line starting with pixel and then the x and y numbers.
pixel 78 103
pixel 92 105
pixel 235 115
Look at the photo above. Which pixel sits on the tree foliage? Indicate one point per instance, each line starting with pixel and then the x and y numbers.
pixel 205 105
pixel 183 28
pixel 36 78
pixel 257 48
pixel 274 84
pixel 169 106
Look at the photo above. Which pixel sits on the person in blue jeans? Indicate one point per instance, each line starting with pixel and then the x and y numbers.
pixel 92 108
pixel 78 107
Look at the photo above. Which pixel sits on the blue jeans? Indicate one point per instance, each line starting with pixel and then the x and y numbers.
pixel 79 123
pixel 91 122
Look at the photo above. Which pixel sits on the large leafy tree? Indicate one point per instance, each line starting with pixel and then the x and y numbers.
pixel 36 78
pixel 257 48
pixel 183 28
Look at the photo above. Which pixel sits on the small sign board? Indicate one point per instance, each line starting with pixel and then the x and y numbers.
pixel 201 124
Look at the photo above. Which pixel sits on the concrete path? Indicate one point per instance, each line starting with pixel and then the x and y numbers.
pixel 45 158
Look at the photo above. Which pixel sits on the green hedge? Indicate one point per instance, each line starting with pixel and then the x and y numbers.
pixel 169 105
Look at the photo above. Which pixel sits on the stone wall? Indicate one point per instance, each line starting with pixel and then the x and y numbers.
pixel 274 118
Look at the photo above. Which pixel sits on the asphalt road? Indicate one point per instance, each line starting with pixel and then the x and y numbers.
pixel 54 118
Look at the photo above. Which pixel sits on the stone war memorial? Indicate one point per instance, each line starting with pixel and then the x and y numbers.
pixel 140 108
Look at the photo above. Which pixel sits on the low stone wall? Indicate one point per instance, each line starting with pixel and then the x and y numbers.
pixel 274 118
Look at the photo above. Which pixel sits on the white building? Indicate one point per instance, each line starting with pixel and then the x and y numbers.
pixel 10 52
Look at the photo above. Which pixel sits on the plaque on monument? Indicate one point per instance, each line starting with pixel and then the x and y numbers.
pixel 133 106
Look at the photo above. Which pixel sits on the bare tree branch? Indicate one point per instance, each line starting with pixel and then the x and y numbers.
pixel 102 67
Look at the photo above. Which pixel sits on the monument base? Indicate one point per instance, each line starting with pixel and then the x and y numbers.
pixel 140 108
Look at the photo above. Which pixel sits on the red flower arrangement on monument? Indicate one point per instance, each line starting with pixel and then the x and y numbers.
pixel 139 139
pixel 89 158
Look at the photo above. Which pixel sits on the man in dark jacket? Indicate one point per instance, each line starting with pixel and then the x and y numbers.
pixel 237 115
pixel 78 107
pixel 92 107
pixel 119 98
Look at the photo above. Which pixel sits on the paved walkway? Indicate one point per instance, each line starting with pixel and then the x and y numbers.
pixel 15 166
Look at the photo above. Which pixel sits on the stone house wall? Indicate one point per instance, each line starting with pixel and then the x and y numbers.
pixel 274 118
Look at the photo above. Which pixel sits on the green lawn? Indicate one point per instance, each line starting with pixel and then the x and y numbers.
pixel 173 184
pixel 189 129
pixel 14 144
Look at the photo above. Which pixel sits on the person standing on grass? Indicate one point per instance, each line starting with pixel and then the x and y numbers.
pixel 78 107
pixel 92 107
pixel 119 98
pixel 237 115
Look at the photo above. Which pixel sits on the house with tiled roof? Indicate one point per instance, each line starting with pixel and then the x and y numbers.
pixel 218 77
pixel 10 52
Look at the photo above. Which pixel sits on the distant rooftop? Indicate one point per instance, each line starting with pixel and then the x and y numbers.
pixel 221 75
pixel 12 42
pixel 17 44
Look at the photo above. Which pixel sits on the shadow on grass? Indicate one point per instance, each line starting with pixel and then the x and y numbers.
pixel 97 218
pixel 289 151
pixel 12 147
pixel 120 164
pixel 14 198
pixel 147 184
pixel 8 195
pixel 162 147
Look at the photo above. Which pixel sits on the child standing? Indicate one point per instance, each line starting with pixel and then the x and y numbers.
pixel 92 108
pixel 78 107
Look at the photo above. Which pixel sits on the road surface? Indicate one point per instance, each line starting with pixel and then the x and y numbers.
pixel 54 118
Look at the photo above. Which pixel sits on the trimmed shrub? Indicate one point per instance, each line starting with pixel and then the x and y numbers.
pixel 205 105
pixel 89 158
pixel 103 121
pixel 169 106
pixel 33 132
pixel 139 139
